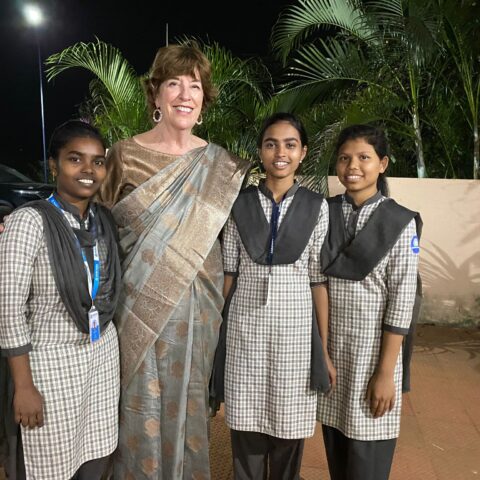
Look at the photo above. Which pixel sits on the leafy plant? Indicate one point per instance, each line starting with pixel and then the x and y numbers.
pixel 116 103
pixel 385 46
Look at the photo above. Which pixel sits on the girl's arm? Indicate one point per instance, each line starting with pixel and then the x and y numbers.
pixel 320 301
pixel 319 287
pixel 231 254
pixel 19 246
pixel 381 387
pixel 27 401
pixel 402 285
pixel 227 284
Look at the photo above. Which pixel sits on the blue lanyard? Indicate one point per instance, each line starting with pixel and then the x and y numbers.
pixel 92 286
pixel 274 228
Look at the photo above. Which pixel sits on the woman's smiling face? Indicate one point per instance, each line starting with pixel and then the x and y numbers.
pixel 80 169
pixel 282 150
pixel 180 100
pixel 358 166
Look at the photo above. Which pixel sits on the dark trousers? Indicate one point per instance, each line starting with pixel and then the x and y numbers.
pixel 350 459
pixel 257 456
pixel 92 470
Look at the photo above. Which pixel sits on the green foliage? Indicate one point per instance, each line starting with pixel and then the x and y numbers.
pixel 382 45
pixel 300 21
pixel 410 66
pixel 116 105
pixel 244 97
pixel 460 39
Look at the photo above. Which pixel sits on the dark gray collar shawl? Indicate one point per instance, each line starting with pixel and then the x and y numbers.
pixel 293 236
pixel 294 232
pixel 354 259
pixel 67 264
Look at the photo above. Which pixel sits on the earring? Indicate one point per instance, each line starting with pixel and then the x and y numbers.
pixel 200 121
pixel 157 115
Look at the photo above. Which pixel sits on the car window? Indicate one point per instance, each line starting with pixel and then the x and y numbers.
pixel 10 175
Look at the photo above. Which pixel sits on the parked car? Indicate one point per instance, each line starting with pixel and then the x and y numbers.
pixel 16 189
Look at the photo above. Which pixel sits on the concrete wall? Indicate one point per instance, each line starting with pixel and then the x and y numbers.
pixel 450 245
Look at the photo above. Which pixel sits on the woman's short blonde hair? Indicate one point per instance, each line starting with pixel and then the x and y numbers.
pixel 176 60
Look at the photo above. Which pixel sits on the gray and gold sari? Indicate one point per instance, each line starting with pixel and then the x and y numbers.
pixel 169 313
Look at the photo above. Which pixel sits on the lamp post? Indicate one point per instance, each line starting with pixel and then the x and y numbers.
pixel 34 17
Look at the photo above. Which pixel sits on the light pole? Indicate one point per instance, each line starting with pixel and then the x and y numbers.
pixel 34 17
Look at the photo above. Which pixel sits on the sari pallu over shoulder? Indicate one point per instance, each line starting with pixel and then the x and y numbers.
pixel 167 228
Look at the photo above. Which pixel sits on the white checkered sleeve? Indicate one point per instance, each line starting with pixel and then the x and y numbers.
pixel 402 270
pixel 319 234
pixel 19 246
pixel 230 247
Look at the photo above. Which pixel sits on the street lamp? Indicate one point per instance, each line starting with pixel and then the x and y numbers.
pixel 34 17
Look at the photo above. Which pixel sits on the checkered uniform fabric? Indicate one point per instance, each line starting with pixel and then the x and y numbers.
pixel 267 374
pixel 79 381
pixel 359 310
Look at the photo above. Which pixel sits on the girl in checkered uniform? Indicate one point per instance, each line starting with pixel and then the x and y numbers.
pixel 370 258
pixel 58 291
pixel 271 248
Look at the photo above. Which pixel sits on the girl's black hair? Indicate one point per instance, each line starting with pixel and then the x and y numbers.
pixel 283 117
pixel 69 130
pixel 376 138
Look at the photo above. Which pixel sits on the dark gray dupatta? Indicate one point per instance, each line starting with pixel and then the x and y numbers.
pixel 68 267
pixel 355 259
pixel 292 238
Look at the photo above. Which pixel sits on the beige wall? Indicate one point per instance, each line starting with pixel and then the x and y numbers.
pixel 450 244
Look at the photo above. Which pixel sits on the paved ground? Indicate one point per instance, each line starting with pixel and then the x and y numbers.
pixel 440 434
pixel 440 437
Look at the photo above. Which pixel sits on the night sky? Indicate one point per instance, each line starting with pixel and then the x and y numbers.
pixel 136 27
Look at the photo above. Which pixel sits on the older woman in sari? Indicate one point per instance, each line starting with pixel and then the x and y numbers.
pixel 170 194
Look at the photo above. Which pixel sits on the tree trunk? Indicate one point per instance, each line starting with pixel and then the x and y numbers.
pixel 476 152
pixel 421 170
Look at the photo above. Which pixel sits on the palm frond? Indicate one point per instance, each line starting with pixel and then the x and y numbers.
pixel 302 97
pixel 104 61
pixel 393 8
pixel 339 63
pixel 245 90
pixel 410 27
pixel 298 22
pixel 116 94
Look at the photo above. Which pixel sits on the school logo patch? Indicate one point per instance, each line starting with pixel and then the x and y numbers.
pixel 414 245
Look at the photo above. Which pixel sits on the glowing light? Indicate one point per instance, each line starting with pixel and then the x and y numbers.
pixel 33 15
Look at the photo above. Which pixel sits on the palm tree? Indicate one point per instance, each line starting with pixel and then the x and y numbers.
pixel 383 46
pixel 459 37
pixel 244 98
pixel 117 103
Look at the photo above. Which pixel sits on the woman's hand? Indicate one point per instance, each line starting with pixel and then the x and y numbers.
pixel 2 223
pixel 28 406
pixel 380 393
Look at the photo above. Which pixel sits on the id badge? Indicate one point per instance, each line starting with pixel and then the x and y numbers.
pixel 268 289
pixel 94 325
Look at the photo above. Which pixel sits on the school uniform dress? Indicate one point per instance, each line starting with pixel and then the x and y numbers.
pixel 268 343
pixel 79 381
pixel 359 313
